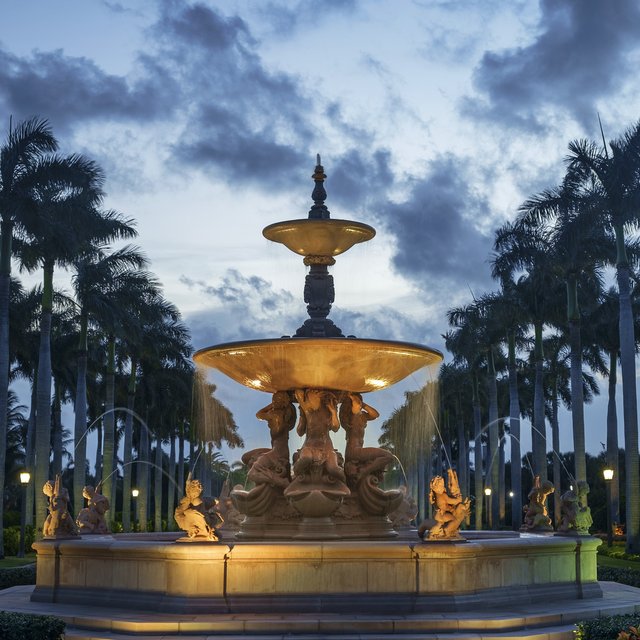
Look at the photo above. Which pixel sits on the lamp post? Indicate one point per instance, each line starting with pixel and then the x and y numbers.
pixel 25 477
pixel 487 493
pixel 607 473
pixel 134 494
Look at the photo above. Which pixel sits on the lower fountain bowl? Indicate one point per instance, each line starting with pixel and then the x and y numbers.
pixel 395 577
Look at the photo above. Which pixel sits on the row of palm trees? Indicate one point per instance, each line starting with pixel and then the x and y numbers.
pixel 115 342
pixel 552 325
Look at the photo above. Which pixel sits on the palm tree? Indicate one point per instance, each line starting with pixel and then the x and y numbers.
pixel 463 343
pixel 59 225
pixel 614 180
pixel 511 317
pixel 527 251
pixel 96 277
pixel 580 251
pixel 488 334
pixel 22 161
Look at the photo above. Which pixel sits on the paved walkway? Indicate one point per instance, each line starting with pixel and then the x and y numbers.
pixel 552 621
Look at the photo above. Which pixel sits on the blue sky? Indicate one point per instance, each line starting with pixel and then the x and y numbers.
pixel 435 119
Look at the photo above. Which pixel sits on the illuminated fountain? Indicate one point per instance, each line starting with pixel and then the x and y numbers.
pixel 329 494
pixel 316 538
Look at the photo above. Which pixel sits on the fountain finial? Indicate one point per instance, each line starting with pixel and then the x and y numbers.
pixel 319 210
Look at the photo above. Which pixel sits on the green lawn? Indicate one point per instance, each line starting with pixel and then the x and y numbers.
pixel 12 561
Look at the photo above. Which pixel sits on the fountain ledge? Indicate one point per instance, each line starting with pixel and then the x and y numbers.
pixel 309 577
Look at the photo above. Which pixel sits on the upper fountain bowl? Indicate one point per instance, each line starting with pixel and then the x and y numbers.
pixel 319 237
pixel 341 364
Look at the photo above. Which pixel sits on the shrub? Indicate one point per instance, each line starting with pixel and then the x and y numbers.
pixel 17 575
pixel 21 626
pixel 624 576
pixel 12 540
pixel 606 628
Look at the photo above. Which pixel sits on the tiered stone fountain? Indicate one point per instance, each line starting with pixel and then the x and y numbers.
pixel 329 494
pixel 316 538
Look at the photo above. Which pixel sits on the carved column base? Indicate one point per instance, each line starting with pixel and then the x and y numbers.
pixel 315 528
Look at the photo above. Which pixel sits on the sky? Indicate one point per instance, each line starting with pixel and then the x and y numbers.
pixel 435 119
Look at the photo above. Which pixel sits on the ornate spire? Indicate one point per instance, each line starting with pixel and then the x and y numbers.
pixel 319 195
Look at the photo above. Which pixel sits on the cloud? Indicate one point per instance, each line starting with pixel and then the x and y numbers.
pixel 70 89
pixel 242 308
pixel 436 228
pixel 580 55
pixel 286 17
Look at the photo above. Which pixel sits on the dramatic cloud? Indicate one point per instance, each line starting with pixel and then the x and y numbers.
pixel 67 90
pixel 436 228
pixel 242 308
pixel 582 54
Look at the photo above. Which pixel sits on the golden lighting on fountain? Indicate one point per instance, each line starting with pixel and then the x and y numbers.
pixel 319 237
pixel 346 364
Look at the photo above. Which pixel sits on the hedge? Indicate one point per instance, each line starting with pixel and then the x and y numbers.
pixel 624 576
pixel 17 575
pixel 21 626
pixel 12 540
pixel 605 628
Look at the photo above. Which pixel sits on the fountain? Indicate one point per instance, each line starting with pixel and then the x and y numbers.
pixel 316 537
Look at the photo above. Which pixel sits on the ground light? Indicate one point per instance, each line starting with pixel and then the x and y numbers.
pixel 607 473
pixel 25 477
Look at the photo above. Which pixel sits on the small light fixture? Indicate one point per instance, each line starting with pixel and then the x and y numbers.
pixel 607 473
pixel 570 487
pixel 25 476
pixel 135 492
pixel 487 491
pixel 511 494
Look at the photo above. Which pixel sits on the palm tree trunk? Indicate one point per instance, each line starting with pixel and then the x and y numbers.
pixel 157 489
pixel 612 438
pixel 171 489
pixel 108 451
pixel 555 438
pixel 463 453
pixel 80 424
pixel 43 394
pixel 630 410
pixel 538 436
pixel 494 440
pixel 503 484
pixel 477 455
pixel 577 396
pixel 127 467
pixel 57 429
pixel 29 452
pixel 143 476
pixel 6 234
pixel 99 431
pixel 514 430
pixel 181 460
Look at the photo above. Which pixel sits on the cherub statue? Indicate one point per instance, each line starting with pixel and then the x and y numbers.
pixel 536 516
pixel 92 519
pixel 193 515
pixel 576 514
pixel 59 523
pixel 451 508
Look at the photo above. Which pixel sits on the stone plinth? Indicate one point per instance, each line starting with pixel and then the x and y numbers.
pixel 389 576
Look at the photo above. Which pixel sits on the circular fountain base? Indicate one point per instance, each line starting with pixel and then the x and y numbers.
pixel 310 577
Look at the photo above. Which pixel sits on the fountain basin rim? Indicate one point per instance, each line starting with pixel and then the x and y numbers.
pixel 320 237
pixel 358 365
